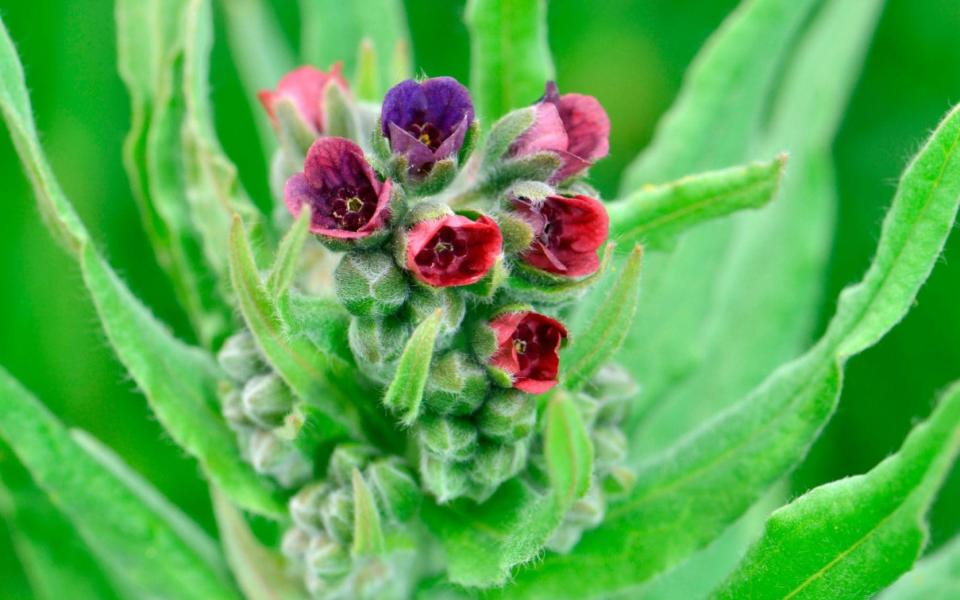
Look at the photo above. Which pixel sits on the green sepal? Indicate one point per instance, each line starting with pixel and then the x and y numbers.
pixel 336 512
pixel 327 559
pixel 445 480
pixel 274 456
pixel 339 113
pixel 367 532
pixel 424 301
pixel 448 438
pixel 457 385
pixel 369 284
pixel 240 358
pixel 267 400
pixel 305 506
pixel 507 417
pixel 469 142
pixel 397 493
pixel 517 233
pixel 295 134
pixel 377 345
pixel 494 464
pixel 504 132
pixel 609 448
pixel 490 283
pixel 346 458
pixel 539 166
pixel 530 284
pixel 440 175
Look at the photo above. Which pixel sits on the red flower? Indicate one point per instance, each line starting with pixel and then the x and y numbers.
pixel 574 126
pixel 453 250
pixel 527 348
pixel 305 87
pixel 567 232
pixel 347 199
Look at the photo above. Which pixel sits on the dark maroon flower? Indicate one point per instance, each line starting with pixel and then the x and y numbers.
pixel 528 346
pixel 426 121
pixel 347 199
pixel 305 87
pixel 574 126
pixel 567 232
pixel 453 250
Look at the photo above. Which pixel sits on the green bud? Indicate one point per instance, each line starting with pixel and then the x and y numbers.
pixel 539 166
pixel 305 506
pixel 327 559
pixel 377 344
pixel 617 388
pixel 508 416
pixel 619 481
pixel 346 458
pixel 273 456
pixel 586 513
pixel 564 538
pixel 294 543
pixel 588 406
pixel 457 385
pixel 397 493
pixel 440 175
pixel 369 284
pixel 496 463
pixel 449 438
pixel 231 405
pixel 517 233
pixel 609 448
pixel 446 480
pixel 337 515
pixel 504 132
pixel 267 400
pixel 240 358
pixel 423 301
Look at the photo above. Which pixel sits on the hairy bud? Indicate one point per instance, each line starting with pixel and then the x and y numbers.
pixel 337 515
pixel 278 458
pixel 397 493
pixel 377 344
pixel 305 506
pixel 445 480
pixel 448 438
pixel 369 284
pixel 346 458
pixel 267 400
pixel 508 416
pixel 457 385
pixel 494 464
pixel 240 358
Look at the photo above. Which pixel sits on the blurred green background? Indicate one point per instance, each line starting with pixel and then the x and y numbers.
pixel 631 54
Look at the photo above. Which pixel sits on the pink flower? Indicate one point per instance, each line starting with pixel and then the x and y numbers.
pixel 528 346
pixel 567 232
pixel 347 200
pixel 453 250
pixel 305 87
pixel 574 126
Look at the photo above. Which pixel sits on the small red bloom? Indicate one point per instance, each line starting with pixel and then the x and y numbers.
pixel 305 87
pixel 528 346
pixel 574 126
pixel 453 250
pixel 567 232
pixel 347 199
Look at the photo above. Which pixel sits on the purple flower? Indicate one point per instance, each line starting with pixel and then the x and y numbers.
pixel 347 200
pixel 426 121
pixel 574 126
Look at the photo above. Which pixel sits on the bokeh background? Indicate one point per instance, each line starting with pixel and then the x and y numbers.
pixel 631 54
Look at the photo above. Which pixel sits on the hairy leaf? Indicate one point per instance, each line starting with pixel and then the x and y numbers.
pixel 674 508
pixel 405 391
pixel 288 255
pixel 483 542
pixel 602 335
pixel 656 215
pixel 853 537
pixel 117 525
pixel 936 577
pixel 367 534
pixel 509 58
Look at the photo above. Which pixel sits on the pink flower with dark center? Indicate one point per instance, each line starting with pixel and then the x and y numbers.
pixel 567 232
pixel 305 87
pixel 574 126
pixel 345 196
pixel 453 250
pixel 528 346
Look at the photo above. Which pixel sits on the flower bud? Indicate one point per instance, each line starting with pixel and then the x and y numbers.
pixel 240 358
pixel 369 284
pixel 377 344
pixel 267 400
pixel 349 205
pixel 617 388
pixel 586 513
pixel 517 233
pixel 528 346
pixel 346 458
pixel 588 406
pixel 609 448
pixel 294 544
pixel 446 480
pixel 305 506
pixel 397 493
pixel 457 385
pixel 567 232
pixel 275 457
pixel 327 559
pixel 231 405
pixel 304 90
pixel 619 481
pixel 426 121
pixel 496 463
pixel 452 250
pixel 507 416
pixel 337 515
pixel 449 438
pixel 424 301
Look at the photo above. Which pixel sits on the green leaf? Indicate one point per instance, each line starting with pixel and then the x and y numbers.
pixel 367 534
pixel 288 255
pixel 261 572
pixel 150 53
pixel 55 559
pixel 853 537
pixel 656 215
pixel 600 339
pixel 116 524
pixel 308 371
pixel 936 577
pixel 775 265
pixel 332 31
pixel 405 391
pixel 674 508
pixel 483 542
pixel 510 61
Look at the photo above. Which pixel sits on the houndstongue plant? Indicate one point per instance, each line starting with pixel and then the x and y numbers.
pixel 419 375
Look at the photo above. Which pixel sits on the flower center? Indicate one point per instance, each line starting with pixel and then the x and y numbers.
pixel 520 346
pixel 351 208
pixel 445 249
pixel 428 133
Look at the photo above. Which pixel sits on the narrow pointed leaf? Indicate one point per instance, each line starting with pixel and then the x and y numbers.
pixel 567 449
pixel 405 392
pixel 288 256
pixel 853 537
pixel 602 336
pixel 936 577
pixel 117 525
pixel 656 215
pixel 746 449
pixel 509 57
pixel 367 534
